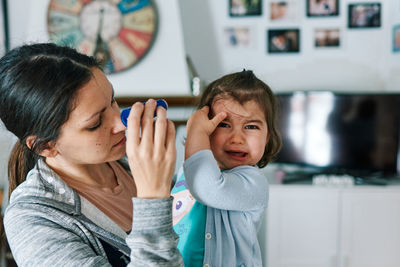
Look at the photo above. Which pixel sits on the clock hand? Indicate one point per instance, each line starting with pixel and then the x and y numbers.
pixel 101 51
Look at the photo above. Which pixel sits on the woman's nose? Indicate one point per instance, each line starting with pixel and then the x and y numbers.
pixel 118 126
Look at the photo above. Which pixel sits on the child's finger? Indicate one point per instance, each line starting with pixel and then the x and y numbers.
pixel 206 110
pixel 218 118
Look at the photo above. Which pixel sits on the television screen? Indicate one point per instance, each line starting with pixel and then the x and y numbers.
pixel 341 133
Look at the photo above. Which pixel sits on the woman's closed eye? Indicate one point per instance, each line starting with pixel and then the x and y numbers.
pixel 96 126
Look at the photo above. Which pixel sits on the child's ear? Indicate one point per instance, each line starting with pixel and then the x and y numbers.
pixel 48 152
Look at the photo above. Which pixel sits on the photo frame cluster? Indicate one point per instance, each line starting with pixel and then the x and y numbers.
pixel 281 39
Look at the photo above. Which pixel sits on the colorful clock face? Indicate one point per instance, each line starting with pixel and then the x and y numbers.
pixel 119 33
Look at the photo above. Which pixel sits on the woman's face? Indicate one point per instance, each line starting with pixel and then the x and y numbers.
pixel 94 132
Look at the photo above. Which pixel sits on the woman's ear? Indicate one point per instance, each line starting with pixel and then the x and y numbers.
pixel 48 152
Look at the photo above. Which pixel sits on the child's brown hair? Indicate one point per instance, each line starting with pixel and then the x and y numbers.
pixel 242 87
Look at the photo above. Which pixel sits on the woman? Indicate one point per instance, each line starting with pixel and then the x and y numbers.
pixel 73 198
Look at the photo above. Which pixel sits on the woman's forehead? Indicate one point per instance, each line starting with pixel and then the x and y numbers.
pixel 92 97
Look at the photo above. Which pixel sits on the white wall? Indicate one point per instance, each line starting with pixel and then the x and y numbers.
pixel 364 62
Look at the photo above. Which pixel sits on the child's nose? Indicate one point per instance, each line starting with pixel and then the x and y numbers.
pixel 237 137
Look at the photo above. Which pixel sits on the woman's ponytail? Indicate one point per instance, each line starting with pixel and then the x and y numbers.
pixel 21 161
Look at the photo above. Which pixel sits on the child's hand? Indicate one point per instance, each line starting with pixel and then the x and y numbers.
pixel 199 128
pixel 199 123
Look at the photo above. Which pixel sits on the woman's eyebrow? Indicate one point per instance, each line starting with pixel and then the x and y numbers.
pixel 103 109
pixel 95 114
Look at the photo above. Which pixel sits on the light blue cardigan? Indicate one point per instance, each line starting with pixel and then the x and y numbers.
pixel 236 200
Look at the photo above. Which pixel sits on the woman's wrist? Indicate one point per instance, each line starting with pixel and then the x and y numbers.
pixel 152 194
pixel 146 210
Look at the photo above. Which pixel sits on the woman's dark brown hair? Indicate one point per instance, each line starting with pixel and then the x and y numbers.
pixel 245 86
pixel 38 84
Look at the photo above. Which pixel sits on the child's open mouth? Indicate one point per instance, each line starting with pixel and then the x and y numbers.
pixel 237 155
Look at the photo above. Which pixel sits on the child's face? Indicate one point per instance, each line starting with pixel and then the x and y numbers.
pixel 241 138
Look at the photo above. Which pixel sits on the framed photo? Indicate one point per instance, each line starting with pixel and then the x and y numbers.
pixel 283 41
pixel 327 38
pixel 236 37
pixel 396 38
pixel 364 15
pixel 322 8
pixel 283 11
pixel 241 8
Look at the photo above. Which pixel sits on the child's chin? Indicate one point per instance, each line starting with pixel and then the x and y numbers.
pixel 229 166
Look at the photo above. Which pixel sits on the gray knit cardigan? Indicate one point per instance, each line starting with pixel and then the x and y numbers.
pixel 48 224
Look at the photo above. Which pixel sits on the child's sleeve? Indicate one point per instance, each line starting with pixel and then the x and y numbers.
pixel 242 188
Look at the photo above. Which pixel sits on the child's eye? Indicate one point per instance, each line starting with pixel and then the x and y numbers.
pixel 252 127
pixel 223 125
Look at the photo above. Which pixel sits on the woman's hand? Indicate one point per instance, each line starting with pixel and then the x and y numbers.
pixel 151 150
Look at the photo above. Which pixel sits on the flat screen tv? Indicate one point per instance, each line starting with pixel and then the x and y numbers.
pixel 341 133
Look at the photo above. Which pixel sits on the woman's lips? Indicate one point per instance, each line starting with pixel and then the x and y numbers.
pixel 122 142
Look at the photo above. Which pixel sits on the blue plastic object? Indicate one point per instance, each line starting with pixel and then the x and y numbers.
pixel 125 112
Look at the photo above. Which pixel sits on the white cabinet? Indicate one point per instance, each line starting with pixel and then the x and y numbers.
pixel 370 228
pixel 310 226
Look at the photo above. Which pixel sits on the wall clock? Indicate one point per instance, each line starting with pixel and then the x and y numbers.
pixel 119 33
